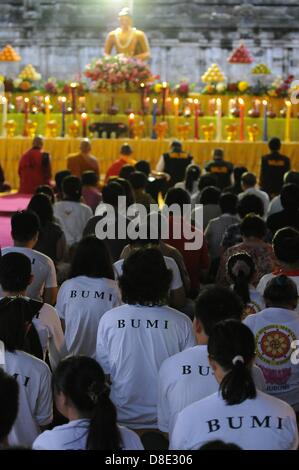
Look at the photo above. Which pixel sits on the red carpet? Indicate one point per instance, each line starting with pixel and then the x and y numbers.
pixel 8 205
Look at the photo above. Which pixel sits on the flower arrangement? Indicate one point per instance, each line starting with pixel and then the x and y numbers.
pixel 53 86
pixel 280 88
pixel 118 73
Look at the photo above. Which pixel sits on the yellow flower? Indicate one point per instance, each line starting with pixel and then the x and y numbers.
pixel 158 88
pixel 1 79
pixel 243 86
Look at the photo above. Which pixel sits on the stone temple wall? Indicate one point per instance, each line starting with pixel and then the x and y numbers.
pixel 60 37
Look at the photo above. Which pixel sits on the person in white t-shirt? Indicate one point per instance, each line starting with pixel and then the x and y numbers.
pixel 88 293
pixel 71 214
pixel 82 396
pixel 9 402
pixel 134 339
pixel 286 249
pixel 275 329
pixel 24 231
pixel 33 375
pixel 15 277
pixel 241 272
pixel 187 376
pixel 237 413
pixel 248 183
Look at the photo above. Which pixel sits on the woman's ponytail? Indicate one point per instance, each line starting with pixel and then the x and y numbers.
pixel 240 271
pixel 192 175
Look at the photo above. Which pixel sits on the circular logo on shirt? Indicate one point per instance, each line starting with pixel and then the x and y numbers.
pixel 274 344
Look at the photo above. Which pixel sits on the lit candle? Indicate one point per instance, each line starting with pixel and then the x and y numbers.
pixel 196 115
pixel 84 118
pixel 164 91
pixel 4 115
pixel 131 124
pixel 212 103
pixel 26 116
pixel 19 102
pixel 242 118
pixel 265 125
pixel 74 98
pixel 63 111
pixel 219 119
pixel 176 104
pixel 154 117
pixel 288 121
pixel 142 98
pixel 257 105
pixel 231 105
pixel 47 110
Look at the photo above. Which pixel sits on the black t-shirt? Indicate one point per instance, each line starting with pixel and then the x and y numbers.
pixel 273 168
pixel 175 164
pixel 283 219
pixel 222 170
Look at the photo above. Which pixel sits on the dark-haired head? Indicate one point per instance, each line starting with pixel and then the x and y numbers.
pixel 72 188
pixel 238 171
pixel 241 270
pixel 291 177
pixel 290 197
pixel 25 227
pixel 13 323
pixel 274 144
pixel 191 176
pixel 127 187
pixel 250 204
pixel 177 196
pixel 126 171
pixel 231 349
pixel 208 179
pixel 253 226
pixel 15 273
pixel 138 180
pixel 46 189
pixel 215 304
pixel 248 180
pixel 80 387
pixel 218 154
pixel 143 166
pixel 219 445
pixel 59 177
pixel 286 246
pixel 145 279
pixel 281 292
pixel 111 192
pixel 210 195
pixel 89 178
pixel 41 205
pixel 228 203
pixel 9 404
pixel 126 149
pixel 92 259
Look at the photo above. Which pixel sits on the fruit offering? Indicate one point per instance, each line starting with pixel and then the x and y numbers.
pixel 213 74
pixel 29 73
pixel 8 54
pixel 261 69
pixel 240 55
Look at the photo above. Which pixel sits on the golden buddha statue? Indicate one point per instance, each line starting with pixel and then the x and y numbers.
pixel 127 40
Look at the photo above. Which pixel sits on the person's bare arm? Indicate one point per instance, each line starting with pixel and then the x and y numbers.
pixel 177 298
pixel 50 295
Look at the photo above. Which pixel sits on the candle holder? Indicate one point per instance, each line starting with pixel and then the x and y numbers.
pixel 74 129
pixel 184 130
pixel 51 129
pixel 10 127
pixel 161 129
pixel 231 131
pixel 208 131
pixel 138 130
pixel 31 127
pixel 253 132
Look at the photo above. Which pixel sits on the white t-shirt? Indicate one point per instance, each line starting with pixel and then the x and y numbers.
pixel 43 270
pixel 182 185
pixel 263 423
pixel 73 435
pixel 275 206
pixel 259 193
pixel 81 302
pixel 35 396
pixel 176 281
pixel 132 343
pixel 267 277
pixel 274 330
pixel 72 217
pixel 185 378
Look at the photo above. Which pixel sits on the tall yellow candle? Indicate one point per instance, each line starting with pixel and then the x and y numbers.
pixel 288 122
pixel 219 119
pixel 176 103
pixel 47 109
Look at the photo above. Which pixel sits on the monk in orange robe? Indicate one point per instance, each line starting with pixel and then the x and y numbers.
pixel 83 161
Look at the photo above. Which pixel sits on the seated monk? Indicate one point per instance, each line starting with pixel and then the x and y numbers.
pixel 124 159
pixel 83 161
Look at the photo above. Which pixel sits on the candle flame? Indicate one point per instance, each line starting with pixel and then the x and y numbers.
pixel 265 102
pixel 26 100
pixel 4 100
pixel 241 101
pixel 131 116
pixel 155 101
pixel 73 84
pixel 34 109
pixel 196 101
pixel 142 85
pixel 288 103
pixel 63 99
pixel 176 101
pixel 218 101
pixel 83 116
pixel 47 99
pixel 164 84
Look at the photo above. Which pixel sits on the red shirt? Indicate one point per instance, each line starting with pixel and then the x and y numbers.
pixel 115 168
pixel 31 171
pixel 195 260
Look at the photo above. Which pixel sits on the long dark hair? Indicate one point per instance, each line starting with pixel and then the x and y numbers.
pixel 91 259
pixel 232 345
pixel 192 174
pixel 41 205
pixel 82 380
pixel 240 270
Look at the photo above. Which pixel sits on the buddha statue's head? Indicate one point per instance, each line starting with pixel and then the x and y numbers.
pixel 125 18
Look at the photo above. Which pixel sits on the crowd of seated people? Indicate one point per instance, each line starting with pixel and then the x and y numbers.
pixel 116 334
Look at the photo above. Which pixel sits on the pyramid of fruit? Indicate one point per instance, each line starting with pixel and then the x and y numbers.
pixel 261 69
pixel 213 74
pixel 240 55
pixel 29 73
pixel 8 54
